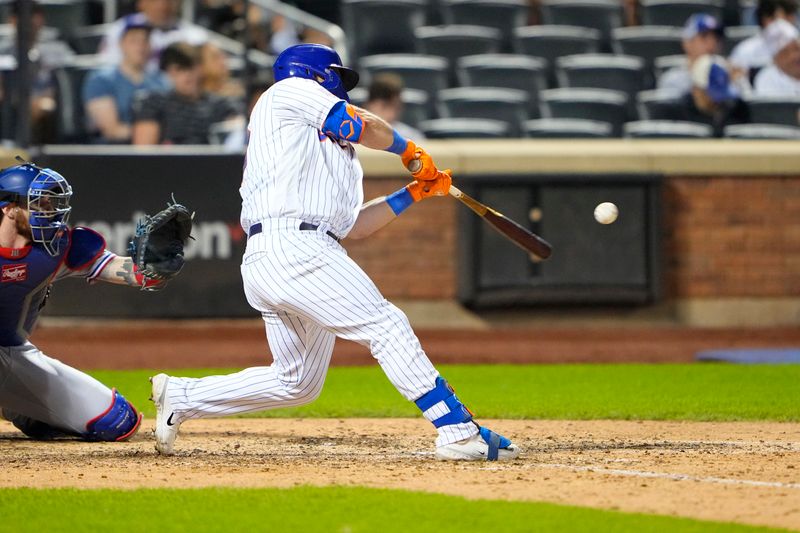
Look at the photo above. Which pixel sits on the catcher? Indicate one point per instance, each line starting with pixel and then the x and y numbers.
pixel 41 396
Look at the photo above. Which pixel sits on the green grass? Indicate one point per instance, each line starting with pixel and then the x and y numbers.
pixel 628 392
pixel 308 509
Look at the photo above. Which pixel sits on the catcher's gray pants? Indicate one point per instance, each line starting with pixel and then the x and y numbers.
pixel 309 292
pixel 44 389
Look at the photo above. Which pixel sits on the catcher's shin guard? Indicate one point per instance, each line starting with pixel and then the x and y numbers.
pixel 117 423
pixel 442 403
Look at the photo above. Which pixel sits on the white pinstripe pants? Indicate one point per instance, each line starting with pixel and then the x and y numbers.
pixel 309 292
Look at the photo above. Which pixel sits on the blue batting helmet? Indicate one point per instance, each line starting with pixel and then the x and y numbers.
pixel 45 194
pixel 316 62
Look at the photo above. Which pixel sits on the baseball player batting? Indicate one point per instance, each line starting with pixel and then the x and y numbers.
pixel 301 194
pixel 41 396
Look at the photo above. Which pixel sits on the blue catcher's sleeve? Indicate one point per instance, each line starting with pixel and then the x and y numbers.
pixel 344 123
pixel 86 247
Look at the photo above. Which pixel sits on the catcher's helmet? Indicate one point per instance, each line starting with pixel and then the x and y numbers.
pixel 315 62
pixel 46 195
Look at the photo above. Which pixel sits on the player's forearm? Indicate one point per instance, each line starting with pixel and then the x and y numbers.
pixel 120 271
pixel 374 215
pixel 123 271
pixel 378 134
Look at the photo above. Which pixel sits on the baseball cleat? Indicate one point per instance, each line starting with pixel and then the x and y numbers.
pixel 483 446
pixel 166 430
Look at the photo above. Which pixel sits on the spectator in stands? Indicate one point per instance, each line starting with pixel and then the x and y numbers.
pixel 714 98
pixel 702 35
pixel 162 16
pixel 185 114
pixel 216 76
pixel 782 78
pixel 752 54
pixel 46 55
pixel 385 101
pixel 108 93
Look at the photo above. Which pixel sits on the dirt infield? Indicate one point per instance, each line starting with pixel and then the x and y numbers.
pixel 740 472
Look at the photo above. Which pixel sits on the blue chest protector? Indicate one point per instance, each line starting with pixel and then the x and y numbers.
pixel 25 280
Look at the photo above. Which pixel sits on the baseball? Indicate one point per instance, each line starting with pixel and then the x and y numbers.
pixel 606 213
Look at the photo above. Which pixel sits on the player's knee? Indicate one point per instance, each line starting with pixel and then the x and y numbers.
pixel 307 394
pixel 303 391
pixel 117 423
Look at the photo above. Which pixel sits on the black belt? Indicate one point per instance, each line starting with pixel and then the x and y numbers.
pixel 257 228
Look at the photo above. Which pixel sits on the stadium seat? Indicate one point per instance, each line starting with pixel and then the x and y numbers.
pixel 453 42
pixel 423 72
pixel 663 64
pixel 564 128
pixel 602 15
pixel 87 39
pixel 507 105
pixel 416 107
pixel 592 104
pixel 8 68
pixel 667 129
pixel 736 34
pixel 70 116
pixel 464 128
pixel 771 110
pixel 601 71
pixel 552 42
pixel 509 71
pixel 647 42
pixel 46 34
pixel 658 104
pixel 676 12
pixel 505 15
pixel 761 131
pixel 65 15
pixel 382 26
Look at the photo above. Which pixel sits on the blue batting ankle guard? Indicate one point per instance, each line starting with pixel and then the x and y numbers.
pixel 456 413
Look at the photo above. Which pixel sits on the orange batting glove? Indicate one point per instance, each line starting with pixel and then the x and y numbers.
pixel 438 186
pixel 427 170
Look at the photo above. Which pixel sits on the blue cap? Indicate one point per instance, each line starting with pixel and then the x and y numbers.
pixel 136 21
pixel 701 23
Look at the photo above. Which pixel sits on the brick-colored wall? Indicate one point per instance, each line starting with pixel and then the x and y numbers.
pixel 723 237
pixel 732 236
pixel 415 256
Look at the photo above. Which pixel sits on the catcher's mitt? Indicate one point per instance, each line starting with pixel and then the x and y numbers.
pixel 157 245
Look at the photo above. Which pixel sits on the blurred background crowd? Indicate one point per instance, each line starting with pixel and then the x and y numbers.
pixel 166 72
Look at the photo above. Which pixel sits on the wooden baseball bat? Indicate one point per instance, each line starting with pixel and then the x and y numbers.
pixel 522 237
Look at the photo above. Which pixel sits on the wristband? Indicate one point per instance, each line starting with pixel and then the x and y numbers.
pixel 400 200
pixel 398 144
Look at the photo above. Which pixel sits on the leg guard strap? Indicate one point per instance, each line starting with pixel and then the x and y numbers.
pixel 117 423
pixel 495 442
pixel 443 393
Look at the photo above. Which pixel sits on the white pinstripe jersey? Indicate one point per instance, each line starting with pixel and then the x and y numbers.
pixel 292 169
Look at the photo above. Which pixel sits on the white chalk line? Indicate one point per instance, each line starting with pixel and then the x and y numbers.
pixel 658 475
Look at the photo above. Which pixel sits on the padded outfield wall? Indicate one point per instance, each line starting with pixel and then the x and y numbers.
pixel 727 233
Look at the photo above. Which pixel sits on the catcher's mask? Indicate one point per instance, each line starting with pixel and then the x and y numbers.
pixel 319 63
pixel 46 193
